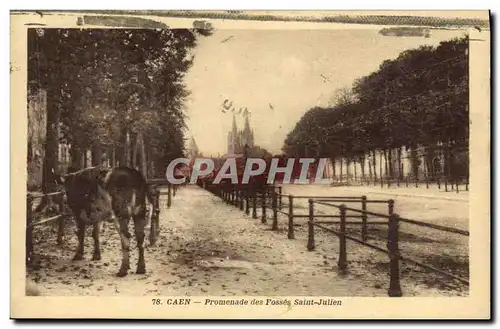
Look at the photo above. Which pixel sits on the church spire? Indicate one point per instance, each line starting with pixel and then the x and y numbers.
pixel 247 126
pixel 235 128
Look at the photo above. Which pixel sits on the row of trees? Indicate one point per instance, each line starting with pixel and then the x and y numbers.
pixel 119 93
pixel 420 99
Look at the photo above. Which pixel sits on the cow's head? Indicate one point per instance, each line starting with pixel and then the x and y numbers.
pixel 92 175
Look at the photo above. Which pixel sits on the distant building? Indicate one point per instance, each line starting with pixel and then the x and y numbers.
pixel 236 139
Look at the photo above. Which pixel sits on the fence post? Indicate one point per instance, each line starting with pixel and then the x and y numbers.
pixel 175 189
pixel 393 250
pixel 169 199
pixel 263 204
pixel 29 228
pixel 62 220
pixel 310 238
pixel 291 233
pixel 342 263
pixel 154 215
pixel 275 210
pixel 247 202
pixel 241 199
pixel 157 215
pixel 390 207
pixel 254 204
pixel 364 229
pixel 280 190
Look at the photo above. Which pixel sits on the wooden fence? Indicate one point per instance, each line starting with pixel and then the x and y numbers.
pixel 52 198
pixel 273 199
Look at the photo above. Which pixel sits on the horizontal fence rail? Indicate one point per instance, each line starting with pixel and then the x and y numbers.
pixel 392 241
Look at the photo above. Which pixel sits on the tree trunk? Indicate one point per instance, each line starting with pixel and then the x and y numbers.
pixel 76 157
pixel 150 163
pixel 135 161
pixel 370 172
pixel 127 150
pixel 385 163
pixel 389 160
pixel 341 169
pixel 380 165
pixel 50 163
pixel 85 158
pixel 144 163
pixel 400 172
pixel 414 161
pixel 333 167
pixel 362 163
pixel 124 149
pixel 110 155
pixel 97 154
pixel 347 170
pixel 430 155
pixel 374 165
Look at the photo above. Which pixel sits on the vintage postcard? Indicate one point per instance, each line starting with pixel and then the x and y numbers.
pixel 250 164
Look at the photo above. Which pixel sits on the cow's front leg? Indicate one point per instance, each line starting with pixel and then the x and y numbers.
pixel 95 235
pixel 139 225
pixel 80 232
pixel 121 225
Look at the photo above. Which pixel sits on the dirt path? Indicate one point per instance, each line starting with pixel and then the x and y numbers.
pixel 209 248
pixel 206 248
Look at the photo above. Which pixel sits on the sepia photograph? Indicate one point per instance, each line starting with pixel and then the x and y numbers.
pixel 229 160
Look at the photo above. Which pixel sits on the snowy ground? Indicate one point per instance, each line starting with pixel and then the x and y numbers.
pixel 442 250
pixel 207 247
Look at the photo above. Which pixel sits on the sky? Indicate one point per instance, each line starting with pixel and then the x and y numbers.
pixel 293 70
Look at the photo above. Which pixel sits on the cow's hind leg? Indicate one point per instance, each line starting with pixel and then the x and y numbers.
pixel 80 232
pixel 121 225
pixel 139 225
pixel 95 235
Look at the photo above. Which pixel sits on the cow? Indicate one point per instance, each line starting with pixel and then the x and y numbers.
pixel 115 194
